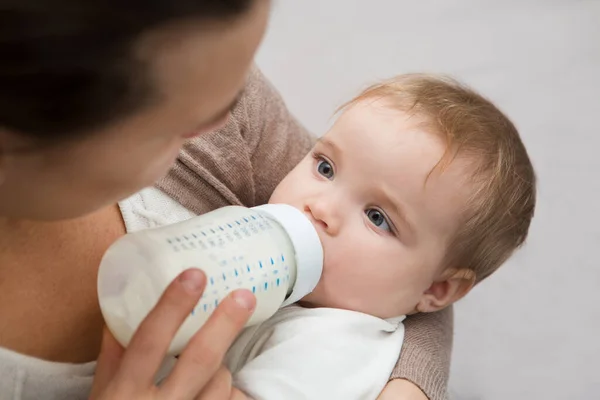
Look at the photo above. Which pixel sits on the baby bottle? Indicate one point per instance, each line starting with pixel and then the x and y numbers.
pixel 272 250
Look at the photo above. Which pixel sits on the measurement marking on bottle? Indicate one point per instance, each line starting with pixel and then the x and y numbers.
pixel 277 281
pixel 212 281
pixel 260 264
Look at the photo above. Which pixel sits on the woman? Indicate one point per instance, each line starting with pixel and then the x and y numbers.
pixel 97 100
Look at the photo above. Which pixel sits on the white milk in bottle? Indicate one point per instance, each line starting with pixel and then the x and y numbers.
pixel 272 250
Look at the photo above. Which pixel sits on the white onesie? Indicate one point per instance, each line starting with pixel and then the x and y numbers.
pixel 316 353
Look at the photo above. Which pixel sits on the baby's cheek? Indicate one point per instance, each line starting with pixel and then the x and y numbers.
pixel 276 195
pixel 284 193
pixel 339 284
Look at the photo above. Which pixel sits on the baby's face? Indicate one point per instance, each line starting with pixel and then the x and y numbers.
pixel 384 229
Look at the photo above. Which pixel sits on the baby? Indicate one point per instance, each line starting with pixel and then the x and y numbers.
pixel 421 189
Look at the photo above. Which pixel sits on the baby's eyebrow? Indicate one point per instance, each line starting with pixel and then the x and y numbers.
pixel 325 142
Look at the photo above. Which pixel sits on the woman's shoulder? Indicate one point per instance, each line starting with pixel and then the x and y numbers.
pixel 242 162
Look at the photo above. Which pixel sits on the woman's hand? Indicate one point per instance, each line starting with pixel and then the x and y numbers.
pixel 401 389
pixel 129 373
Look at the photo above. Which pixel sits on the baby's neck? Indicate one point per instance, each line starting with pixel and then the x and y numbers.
pixel 305 304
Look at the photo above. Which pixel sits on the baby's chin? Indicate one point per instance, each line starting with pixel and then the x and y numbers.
pixel 310 301
pixel 305 304
pixel 317 298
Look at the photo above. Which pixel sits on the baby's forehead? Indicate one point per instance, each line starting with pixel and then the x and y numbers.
pixel 367 121
pixel 382 107
pixel 371 114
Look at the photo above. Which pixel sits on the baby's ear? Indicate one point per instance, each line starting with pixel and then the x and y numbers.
pixel 450 287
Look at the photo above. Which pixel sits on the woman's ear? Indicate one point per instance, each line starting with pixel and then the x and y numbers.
pixel 450 287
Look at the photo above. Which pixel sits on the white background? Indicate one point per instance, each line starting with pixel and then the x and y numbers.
pixel 533 330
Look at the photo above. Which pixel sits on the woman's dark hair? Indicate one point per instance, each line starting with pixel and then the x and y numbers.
pixel 67 66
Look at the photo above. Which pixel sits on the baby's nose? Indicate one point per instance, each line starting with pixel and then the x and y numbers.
pixel 323 215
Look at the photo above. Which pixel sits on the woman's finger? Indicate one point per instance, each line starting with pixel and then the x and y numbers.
pixel 204 353
pixel 151 341
pixel 110 356
pixel 219 386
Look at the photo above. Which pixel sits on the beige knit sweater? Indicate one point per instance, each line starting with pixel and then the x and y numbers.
pixel 244 161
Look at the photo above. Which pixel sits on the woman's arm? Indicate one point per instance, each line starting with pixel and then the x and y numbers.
pixel 276 141
pixel 424 362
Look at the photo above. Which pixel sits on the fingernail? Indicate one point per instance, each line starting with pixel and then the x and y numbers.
pixel 192 279
pixel 245 299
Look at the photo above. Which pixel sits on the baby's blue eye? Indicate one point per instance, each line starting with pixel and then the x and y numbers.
pixel 325 169
pixel 378 219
